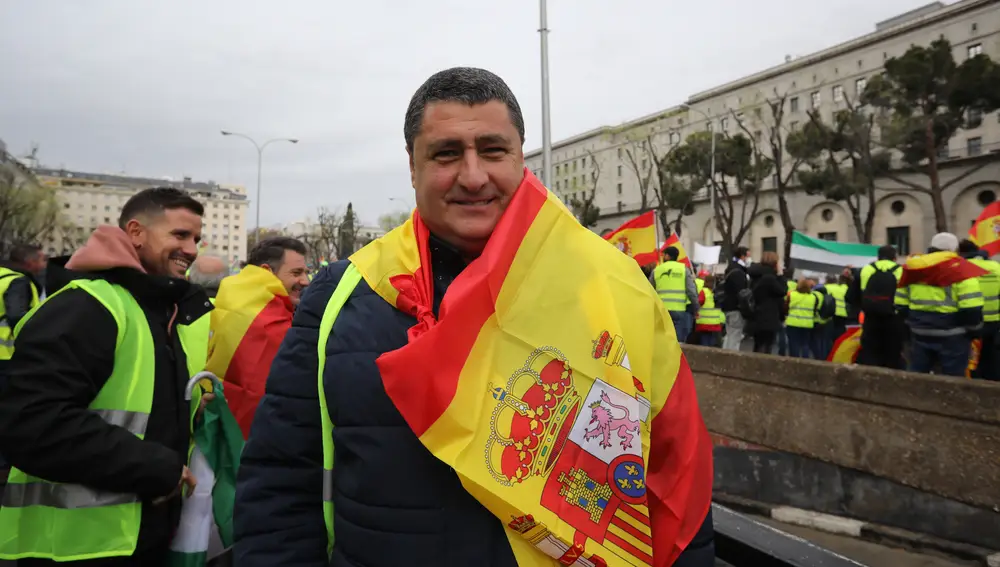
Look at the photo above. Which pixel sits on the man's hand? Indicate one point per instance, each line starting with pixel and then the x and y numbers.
pixel 187 479
pixel 201 405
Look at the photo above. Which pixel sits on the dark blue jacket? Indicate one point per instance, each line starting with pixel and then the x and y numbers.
pixel 394 502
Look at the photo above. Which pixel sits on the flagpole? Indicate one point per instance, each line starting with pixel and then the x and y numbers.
pixel 543 30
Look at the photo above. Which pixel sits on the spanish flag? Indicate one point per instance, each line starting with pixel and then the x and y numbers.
pixel 552 383
pixel 637 238
pixel 938 269
pixel 846 348
pixel 985 232
pixel 672 240
pixel 251 316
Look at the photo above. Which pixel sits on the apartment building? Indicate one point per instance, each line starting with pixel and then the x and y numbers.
pixel 92 199
pixel 824 81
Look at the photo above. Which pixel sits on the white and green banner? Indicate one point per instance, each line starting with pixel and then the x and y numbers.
pixel 829 257
pixel 207 513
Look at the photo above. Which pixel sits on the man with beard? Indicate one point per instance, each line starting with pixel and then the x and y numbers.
pixel 93 419
pixel 253 311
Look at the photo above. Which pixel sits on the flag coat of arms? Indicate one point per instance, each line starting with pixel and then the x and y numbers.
pixel 985 232
pixel 552 382
pixel 637 238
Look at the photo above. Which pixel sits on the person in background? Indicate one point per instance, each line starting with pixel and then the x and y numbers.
pixel 253 312
pixel 93 417
pixel 678 291
pixel 940 298
pixel 821 337
pixel 769 302
pixel 801 306
pixel 710 318
pixel 883 331
pixel 208 271
pixel 989 352
pixel 21 287
pixel 735 280
pixel 845 313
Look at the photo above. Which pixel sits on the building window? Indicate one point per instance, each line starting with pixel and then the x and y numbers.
pixel 574 166
pixel 583 161
pixel 831 236
pixel 645 164
pixel 725 124
pixel 815 99
pixel 757 112
pixel 65 205
pixel 620 206
pixel 769 220
pixel 827 215
pixel 793 104
pixel 975 49
pixel 899 238
pixel 708 126
pixel 944 152
pixel 860 63
pixel 974 118
pixel 619 171
pixel 558 170
pixel 769 244
pixel 986 197
pixel 897 207
pixel 838 93
pixel 619 188
pixel 107 209
pixel 619 153
pixel 859 86
pixel 757 135
pixel 675 138
pixel 975 146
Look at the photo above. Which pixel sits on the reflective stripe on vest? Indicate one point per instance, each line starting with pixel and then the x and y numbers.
pixel 671 285
pixel 347 283
pixel 69 522
pixel 7 277
pixel 801 307
pixel 709 314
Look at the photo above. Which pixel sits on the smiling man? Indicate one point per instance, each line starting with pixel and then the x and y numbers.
pixel 406 413
pixel 93 419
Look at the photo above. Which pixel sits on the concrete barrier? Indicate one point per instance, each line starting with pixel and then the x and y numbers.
pixel 936 434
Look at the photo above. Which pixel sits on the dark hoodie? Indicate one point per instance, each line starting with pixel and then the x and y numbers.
pixel 64 356
pixel 769 290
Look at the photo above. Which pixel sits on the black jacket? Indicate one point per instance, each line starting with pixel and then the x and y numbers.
pixel 17 298
pixel 394 502
pixel 734 281
pixel 769 290
pixel 64 355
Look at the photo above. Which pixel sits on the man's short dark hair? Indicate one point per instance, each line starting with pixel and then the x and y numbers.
pixel 672 252
pixel 887 252
pixel 967 246
pixel 741 252
pixel 24 253
pixel 155 201
pixel 271 251
pixel 467 85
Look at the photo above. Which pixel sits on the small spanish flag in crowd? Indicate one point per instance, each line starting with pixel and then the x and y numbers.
pixel 672 240
pixel 251 316
pixel 985 232
pixel 552 383
pixel 845 350
pixel 637 238
pixel 939 269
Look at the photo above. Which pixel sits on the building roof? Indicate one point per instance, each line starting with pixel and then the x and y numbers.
pixel 140 182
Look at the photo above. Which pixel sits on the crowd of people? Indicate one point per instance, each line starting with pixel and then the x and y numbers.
pixel 937 312
pixel 119 450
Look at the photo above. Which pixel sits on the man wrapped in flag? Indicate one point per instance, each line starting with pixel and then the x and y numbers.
pixel 489 384
pixel 253 311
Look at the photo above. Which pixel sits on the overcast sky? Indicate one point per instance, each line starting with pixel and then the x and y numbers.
pixel 144 87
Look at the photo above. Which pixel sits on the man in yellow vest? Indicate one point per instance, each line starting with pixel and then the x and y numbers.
pixel 844 314
pixel 678 291
pixel 93 419
pixel 22 283
pixel 989 352
pixel 802 306
pixel 874 291
pixel 710 318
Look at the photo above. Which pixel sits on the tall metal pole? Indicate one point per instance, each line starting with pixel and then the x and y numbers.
pixel 543 30
pixel 260 161
pixel 711 194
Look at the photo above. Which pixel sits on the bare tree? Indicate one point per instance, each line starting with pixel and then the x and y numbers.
pixel 29 211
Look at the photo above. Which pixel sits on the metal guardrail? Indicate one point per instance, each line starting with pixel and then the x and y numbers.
pixel 741 541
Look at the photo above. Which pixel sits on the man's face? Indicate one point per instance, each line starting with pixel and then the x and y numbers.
pixel 465 165
pixel 293 274
pixel 167 243
pixel 36 265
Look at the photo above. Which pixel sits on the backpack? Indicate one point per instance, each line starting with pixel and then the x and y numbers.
pixel 828 308
pixel 880 293
pixel 745 302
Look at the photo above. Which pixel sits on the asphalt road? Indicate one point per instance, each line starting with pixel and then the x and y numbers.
pixel 871 554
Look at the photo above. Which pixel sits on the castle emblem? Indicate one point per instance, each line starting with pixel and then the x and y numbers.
pixel 623 244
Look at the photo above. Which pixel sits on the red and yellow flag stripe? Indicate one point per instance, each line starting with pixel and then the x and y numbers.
pixel 637 238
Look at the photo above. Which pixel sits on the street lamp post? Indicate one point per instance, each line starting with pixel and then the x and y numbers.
pixel 260 161
pixel 711 186
pixel 543 30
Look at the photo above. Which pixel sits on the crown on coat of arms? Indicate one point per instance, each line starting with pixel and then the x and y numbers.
pixel 532 417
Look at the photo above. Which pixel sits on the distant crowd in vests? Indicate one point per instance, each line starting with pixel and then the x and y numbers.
pixel 937 312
